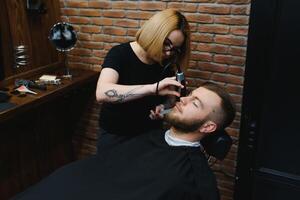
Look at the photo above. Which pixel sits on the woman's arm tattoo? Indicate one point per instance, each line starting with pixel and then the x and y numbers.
pixel 121 97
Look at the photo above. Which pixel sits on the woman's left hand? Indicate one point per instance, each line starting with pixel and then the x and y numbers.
pixel 156 114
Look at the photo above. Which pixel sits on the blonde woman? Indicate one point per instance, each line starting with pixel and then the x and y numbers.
pixel 127 85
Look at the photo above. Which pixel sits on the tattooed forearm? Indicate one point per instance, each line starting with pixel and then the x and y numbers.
pixel 119 98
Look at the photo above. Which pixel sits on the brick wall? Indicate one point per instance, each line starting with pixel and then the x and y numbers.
pixel 219 39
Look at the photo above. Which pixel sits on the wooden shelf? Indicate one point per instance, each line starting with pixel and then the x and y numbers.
pixel 53 91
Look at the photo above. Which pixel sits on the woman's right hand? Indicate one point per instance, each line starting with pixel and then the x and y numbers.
pixel 168 86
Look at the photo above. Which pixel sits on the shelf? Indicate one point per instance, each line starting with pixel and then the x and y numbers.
pixel 53 91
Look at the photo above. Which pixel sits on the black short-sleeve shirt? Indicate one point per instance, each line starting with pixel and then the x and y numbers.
pixel 131 118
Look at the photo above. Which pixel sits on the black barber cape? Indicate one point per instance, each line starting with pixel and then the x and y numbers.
pixel 142 168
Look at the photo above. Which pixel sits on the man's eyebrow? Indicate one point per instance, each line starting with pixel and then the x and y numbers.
pixel 201 103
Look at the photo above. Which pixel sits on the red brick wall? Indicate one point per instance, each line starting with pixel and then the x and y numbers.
pixel 219 39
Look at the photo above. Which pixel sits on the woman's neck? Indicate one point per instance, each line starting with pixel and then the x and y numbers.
pixel 141 53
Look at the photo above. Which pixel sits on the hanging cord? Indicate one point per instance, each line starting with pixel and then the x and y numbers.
pixel 173 60
pixel 162 73
pixel 220 167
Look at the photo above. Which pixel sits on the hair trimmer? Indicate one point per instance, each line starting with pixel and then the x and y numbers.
pixel 181 79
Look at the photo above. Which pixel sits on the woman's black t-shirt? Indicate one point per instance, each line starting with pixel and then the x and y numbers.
pixel 131 118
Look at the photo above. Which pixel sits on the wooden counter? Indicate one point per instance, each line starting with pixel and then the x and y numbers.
pixel 53 91
pixel 36 134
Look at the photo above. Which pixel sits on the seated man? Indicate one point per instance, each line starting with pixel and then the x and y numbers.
pixel 158 165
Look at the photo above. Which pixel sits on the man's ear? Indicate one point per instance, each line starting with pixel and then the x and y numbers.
pixel 208 127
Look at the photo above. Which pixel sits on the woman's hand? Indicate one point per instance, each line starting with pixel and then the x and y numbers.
pixel 166 87
pixel 156 114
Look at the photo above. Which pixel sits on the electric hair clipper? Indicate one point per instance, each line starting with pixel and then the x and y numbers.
pixel 181 79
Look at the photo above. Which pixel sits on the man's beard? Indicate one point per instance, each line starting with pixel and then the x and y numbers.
pixel 182 125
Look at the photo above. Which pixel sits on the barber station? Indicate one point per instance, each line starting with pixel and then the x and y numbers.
pixel 152 100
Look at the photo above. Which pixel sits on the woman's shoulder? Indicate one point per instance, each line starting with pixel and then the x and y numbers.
pixel 121 47
pixel 118 51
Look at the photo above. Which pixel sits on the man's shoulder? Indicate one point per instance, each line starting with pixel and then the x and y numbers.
pixel 202 168
pixel 143 140
pixel 205 178
pixel 155 135
pixel 158 131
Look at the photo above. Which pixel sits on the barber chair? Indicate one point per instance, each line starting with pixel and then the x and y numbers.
pixel 217 144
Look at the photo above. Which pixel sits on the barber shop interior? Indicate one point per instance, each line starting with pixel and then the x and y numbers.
pixel 149 100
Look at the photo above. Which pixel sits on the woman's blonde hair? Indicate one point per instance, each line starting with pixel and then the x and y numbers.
pixel 153 33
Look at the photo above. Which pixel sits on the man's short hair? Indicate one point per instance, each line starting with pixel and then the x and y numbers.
pixel 225 116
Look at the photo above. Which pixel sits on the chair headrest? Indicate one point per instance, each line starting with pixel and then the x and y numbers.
pixel 217 144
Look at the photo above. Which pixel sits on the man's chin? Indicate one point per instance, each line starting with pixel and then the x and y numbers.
pixel 174 120
pixel 167 118
pixel 170 116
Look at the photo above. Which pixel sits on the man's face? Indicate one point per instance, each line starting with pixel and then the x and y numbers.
pixel 192 111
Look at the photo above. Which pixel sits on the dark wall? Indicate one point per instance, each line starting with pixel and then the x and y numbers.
pixel 268 161
pixel 19 26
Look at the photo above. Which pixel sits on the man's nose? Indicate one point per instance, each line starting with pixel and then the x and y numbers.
pixel 183 100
